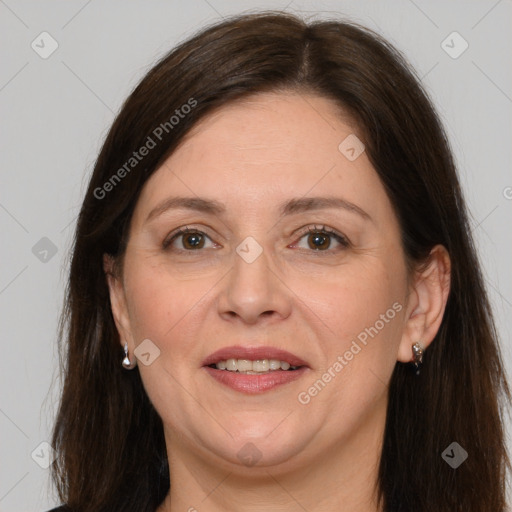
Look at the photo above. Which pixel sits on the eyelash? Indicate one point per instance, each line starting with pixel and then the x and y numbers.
pixel 342 240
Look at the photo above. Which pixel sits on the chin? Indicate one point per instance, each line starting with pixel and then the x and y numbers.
pixel 269 447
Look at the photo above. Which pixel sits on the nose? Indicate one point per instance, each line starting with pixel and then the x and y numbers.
pixel 253 291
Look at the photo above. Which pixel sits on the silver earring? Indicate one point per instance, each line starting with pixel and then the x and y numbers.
pixel 127 364
pixel 417 356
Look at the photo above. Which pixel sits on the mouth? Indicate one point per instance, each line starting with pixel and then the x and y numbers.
pixel 254 370
pixel 257 367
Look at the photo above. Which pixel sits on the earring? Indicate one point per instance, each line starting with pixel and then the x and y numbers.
pixel 127 364
pixel 417 356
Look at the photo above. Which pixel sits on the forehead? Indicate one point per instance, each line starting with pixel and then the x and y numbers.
pixel 285 126
pixel 266 149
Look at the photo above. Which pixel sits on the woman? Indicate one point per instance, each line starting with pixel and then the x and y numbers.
pixel 274 300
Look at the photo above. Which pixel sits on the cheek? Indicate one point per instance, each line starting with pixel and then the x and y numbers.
pixel 362 315
pixel 160 306
pixel 353 299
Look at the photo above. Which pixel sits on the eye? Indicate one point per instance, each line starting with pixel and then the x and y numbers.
pixel 190 239
pixel 321 239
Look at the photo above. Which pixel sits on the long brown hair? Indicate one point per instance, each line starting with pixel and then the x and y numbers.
pixel 109 439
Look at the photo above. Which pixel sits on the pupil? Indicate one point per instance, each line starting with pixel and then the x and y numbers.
pixel 320 241
pixel 194 240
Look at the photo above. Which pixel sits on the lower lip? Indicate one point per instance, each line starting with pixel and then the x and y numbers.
pixel 254 384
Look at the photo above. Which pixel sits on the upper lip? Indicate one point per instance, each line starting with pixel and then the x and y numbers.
pixel 253 354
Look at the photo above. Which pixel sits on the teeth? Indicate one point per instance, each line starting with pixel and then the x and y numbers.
pixel 244 365
pixel 253 367
pixel 261 365
pixel 231 365
pixel 274 364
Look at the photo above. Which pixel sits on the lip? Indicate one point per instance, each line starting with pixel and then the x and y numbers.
pixel 253 353
pixel 254 384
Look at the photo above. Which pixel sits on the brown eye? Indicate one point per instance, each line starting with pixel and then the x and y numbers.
pixel 321 240
pixel 187 240
pixel 318 240
pixel 192 240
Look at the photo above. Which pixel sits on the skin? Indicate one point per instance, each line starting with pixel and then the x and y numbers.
pixel 252 156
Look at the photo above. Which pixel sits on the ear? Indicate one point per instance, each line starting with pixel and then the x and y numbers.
pixel 427 302
pixel 118 301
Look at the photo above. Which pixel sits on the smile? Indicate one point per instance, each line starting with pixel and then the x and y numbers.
pixel 254 370
pixel 256 367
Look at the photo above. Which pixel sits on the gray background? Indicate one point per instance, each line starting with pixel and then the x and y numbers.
pixel 56 111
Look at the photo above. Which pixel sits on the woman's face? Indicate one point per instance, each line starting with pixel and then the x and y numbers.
pixel 248 280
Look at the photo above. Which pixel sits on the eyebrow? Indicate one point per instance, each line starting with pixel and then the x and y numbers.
pixel 290 207
pixel 187 203
pixel 304 204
